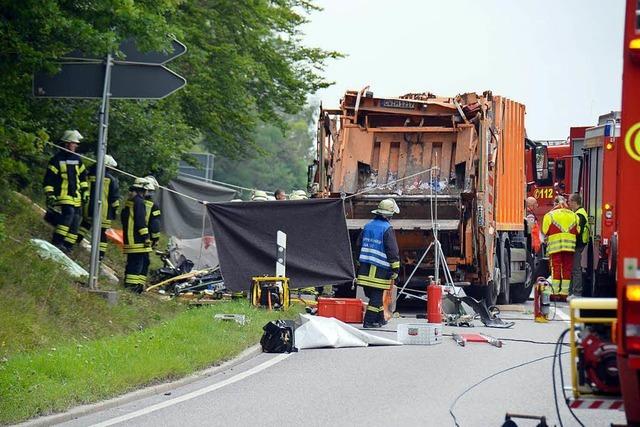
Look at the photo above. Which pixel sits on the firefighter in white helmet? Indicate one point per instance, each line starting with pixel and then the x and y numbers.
pixel 153 210
pixel 110 203
pixel 299 195
pixel 137 241
pixel 378 261
pixel 66 188
pixel 259 196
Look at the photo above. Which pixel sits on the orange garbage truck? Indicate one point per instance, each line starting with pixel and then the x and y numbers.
pixel 465 153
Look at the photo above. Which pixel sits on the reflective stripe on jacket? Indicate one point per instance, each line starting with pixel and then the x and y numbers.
pixel 134 226
pixel 372 250
pixel 561 228
pixel 66 178
pixel 153 214
pixel 110 197
pixel 585 232
pixel 379 256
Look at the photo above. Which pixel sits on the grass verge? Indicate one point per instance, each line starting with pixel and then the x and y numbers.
pixel 57 378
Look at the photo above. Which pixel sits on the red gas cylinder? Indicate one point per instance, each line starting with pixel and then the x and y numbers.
pixel 434 303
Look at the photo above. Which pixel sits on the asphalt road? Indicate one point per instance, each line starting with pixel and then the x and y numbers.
pixel 404 385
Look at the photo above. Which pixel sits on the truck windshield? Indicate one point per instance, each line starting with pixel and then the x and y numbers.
pixel 544 166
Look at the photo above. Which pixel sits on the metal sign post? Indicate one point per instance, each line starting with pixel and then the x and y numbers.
pixel 142 76
pixel 96 226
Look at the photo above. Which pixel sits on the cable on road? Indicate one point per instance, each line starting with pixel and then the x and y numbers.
pixel 498 338
pixel 558 354
pixel 468 389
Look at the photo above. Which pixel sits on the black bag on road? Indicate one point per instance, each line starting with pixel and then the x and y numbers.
pixel 278 337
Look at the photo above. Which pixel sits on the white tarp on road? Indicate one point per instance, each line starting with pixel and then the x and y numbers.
pixel 320 332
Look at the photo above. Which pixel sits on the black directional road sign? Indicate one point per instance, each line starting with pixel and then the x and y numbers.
pixel 128 81
pixel 131 53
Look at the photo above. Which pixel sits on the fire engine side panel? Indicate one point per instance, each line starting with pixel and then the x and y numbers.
pixel 628 214
pixel 609 169
pixel 509 164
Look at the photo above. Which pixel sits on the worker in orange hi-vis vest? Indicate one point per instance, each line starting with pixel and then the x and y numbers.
pixel 560 226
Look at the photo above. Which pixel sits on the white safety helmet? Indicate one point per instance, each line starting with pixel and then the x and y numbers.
pixel 387 207
pixel 259 196
pixel 140 184
pixel 152 183
pixel 110 161
pixel 71 136
pixel 298 195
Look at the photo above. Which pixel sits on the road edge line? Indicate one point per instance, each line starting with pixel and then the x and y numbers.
pixel 196 393
pixel 83 410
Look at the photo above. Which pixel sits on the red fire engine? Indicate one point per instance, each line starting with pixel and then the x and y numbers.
pixel 628 219
pixel 548 171
pixel 596 183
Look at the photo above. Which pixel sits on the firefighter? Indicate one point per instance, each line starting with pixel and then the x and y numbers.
pixel 66 188
pixel 279 194
pixel 560 226
pixel 110 203
pixel 379 261
pixel 137 241
pixel 259 196
pixel 153 212
pixel 298 195
pixel 532 224
pixel 575 204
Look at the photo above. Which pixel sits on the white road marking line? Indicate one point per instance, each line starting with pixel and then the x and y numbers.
pixel 195 393
pixel 561 314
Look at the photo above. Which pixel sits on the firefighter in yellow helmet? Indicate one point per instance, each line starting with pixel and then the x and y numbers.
pixel 137 241
pixel 66 188
pixel 379 261
pixel 110 203
pixel 560 227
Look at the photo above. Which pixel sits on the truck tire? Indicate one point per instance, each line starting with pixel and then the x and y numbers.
pixel 505 273
pixel 520 292
pixel 491 293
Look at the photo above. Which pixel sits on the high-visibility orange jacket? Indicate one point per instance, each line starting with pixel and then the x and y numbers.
pixel 560 226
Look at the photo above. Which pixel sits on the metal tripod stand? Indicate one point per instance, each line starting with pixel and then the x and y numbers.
pixel 437 247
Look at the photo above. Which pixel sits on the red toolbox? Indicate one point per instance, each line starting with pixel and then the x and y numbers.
pixel 349 310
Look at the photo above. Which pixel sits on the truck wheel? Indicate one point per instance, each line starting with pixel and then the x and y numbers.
pixel 505 273
pixel 520 292
pixel 491 293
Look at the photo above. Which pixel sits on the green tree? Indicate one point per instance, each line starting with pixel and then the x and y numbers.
pixel 283 159
pixel 245 65
pixel 36 32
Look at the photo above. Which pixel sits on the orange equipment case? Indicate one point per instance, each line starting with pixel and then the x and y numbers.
pixel 348 310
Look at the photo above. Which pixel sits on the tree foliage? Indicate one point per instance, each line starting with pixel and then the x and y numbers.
pixel 245 65
pixel 284 161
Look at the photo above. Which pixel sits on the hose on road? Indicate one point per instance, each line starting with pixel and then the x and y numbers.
pixel 468 389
